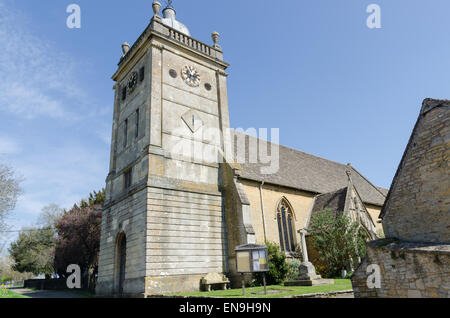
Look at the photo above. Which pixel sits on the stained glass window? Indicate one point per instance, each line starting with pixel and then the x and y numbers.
pixel 286 226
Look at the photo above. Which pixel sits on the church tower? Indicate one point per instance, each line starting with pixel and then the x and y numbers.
pixel 163 225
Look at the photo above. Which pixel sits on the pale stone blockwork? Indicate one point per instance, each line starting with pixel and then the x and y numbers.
pixel 420 194
pixel 166 202
pixel 128 217
pixel 415 257
pixel 185 236
pixel 407 270
pixel 301 203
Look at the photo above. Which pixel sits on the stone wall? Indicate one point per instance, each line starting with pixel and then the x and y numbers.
pixel 300 201
pixel 127 216
pixel 407 270
pixel 185 239
pixel 238 220
pixel 417 207
pixel 416 210
pixel 374 212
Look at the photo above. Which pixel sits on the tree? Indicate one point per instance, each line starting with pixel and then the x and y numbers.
pixel 78 238
pixel 7 273
pixel 34 251
pixel 338 241
pixel 50 215
pixel 95 199
pixel 9 192
pixel 4 239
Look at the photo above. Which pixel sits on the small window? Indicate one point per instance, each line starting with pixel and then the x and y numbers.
pixel 124 93
pixel 137 124
pixel 127 179
pixel 142 74
pixel 125 133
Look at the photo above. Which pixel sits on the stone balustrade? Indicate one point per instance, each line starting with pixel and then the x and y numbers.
pixel 163 30
pixel 192 43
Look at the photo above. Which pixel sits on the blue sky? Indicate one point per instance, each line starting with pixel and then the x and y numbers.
pixel 312 68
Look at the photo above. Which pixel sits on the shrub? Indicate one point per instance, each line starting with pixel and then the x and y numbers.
pixel 278 267
pixel 338 241
pixel 293 265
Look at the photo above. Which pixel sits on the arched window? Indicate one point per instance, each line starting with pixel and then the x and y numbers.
pixel 286 227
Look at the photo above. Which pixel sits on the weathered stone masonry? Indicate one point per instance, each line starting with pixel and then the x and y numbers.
pixel 415 258
pixel 418 205
pixel 172 212
pixel 408 270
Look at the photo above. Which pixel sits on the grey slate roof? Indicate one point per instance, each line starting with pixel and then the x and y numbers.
pixel 306 172
pixel 335 201
pixel 383 190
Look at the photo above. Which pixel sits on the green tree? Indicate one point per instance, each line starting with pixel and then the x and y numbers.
pixel 278 267
pixel 95 199
pixel 34 251
pixel 338 241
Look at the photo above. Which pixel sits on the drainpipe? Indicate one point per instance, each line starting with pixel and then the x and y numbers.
pixel 262 210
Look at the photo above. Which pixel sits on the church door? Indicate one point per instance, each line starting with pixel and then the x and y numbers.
pixel 122 263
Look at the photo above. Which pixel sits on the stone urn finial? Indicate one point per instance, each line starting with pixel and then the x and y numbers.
pixel 215 37
pixel 156 8
pixel 125 48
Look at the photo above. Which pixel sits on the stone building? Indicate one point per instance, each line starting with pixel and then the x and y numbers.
pixel 414 259
pixel 177 201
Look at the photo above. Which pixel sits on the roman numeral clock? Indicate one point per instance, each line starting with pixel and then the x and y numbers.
pixel 190 76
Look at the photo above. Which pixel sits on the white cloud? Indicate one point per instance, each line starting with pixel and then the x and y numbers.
pixel 8 146
pixel 37 78
pixel 62 175
pixel 40 84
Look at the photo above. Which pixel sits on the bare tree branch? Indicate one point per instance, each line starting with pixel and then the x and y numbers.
pixel 9 191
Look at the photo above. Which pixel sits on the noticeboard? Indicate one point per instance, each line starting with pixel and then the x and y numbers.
pixel 251 259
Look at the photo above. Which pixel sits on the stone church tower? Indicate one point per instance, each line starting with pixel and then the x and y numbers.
pixel 177 200
pixel 163 225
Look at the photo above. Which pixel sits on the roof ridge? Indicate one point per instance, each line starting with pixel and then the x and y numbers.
pixel 374 186
pixel 332 192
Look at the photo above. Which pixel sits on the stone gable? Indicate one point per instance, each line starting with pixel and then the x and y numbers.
pixel 418 205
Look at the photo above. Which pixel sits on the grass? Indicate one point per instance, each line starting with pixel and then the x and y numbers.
pixel 286 291
pixel 10 294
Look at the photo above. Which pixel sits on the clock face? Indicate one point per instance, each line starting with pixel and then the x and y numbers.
pixel 191 76
pixel 132 81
